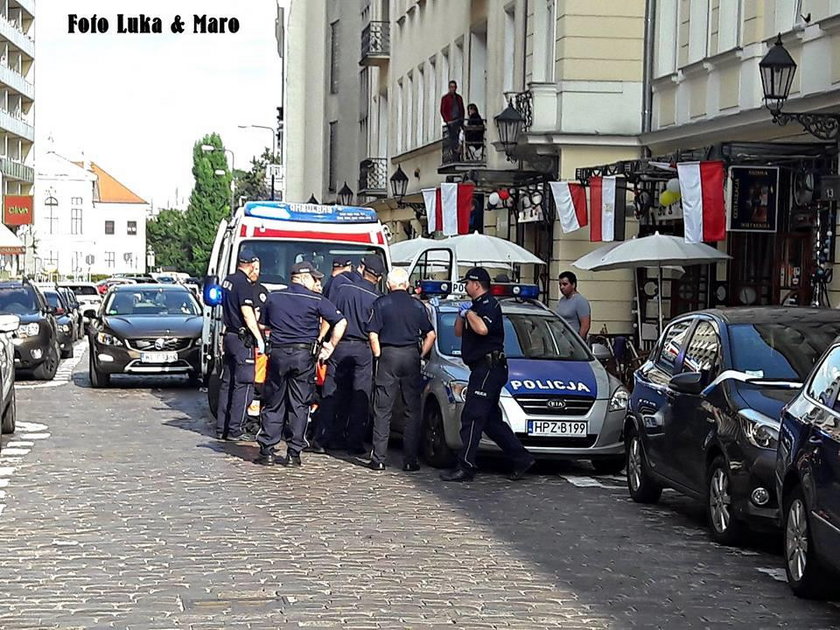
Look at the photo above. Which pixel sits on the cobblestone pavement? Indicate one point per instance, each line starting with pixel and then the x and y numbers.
pixel 122 511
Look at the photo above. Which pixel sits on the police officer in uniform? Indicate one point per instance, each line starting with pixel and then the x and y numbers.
pixel 241 335
pixel 397 325
pixel 296 330
pixel 481 328
pixel 350 369
pixel 340 265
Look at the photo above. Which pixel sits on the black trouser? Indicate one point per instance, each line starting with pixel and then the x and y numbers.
pixel 289 387
pixel 237 387
pixel 482 414
pixel 345 405
pixel 398 373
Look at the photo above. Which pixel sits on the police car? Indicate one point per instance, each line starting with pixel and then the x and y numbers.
pixel 559 400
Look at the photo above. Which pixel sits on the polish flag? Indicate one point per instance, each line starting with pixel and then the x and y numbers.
pixel 448 208
pixel 570 200
pixel 703 205
pixel 606 201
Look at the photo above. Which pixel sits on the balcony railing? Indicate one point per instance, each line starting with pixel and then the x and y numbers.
pixel 14 124
pixel 464 144
pixel 373 177
pixel 27 5
pixel 523 102
pixel 16 170
pixel 17 37
pixel 376 43
pixel 15 80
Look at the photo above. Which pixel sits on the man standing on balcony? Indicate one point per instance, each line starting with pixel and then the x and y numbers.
pixel 453 113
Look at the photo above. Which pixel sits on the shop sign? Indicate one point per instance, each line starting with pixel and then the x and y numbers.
pixel 531 214
pixel 11 251
pixel 17 210
pixel 753 198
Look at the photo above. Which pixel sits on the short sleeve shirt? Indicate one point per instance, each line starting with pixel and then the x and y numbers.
pixel 293 315
pixel 355 301
pixel 572 309
pixel 333 284
pixel 474 346
pixel 237 291
pixel 399 319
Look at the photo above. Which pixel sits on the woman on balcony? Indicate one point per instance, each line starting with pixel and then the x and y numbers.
pixel 473 135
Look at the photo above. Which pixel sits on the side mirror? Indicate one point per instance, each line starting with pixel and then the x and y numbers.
pixel 688 383
pixel 212 291
pixel 601 352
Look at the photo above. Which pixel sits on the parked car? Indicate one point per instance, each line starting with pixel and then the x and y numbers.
pixel 146 329
pixel 64 320
pixel 75 311
pixel 103 285
pixel 808 481
pixel 8 407
pixel 88 295
pixel 705 411
pixel 36 339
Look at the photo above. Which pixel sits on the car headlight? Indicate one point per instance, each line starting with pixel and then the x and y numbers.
pixel 459 390
pixel 760 431
pixel 619 399
pixel 108 339
pixel 29 330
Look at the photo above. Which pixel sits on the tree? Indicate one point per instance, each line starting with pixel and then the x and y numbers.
pixel 166 235
pixel 252 184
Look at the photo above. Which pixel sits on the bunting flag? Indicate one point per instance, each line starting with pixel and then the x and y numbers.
pixel 570 201
pixel 430 199
pixel 606 203
pixel 448 208
pixel 703 204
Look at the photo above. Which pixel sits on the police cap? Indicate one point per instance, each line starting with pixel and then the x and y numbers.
pixel 342 261
pixel 479 274
pixel 247 255
pixel 301 268
pixel 373 265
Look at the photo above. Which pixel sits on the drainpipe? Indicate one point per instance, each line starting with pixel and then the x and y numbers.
pixel 647 71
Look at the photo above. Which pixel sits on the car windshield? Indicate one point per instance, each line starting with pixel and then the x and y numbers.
pixel 83 290
pixel 535 335
pixel 18 301
pixel 780 350
pixel 53 299
pixel 277 257
pixel 152 302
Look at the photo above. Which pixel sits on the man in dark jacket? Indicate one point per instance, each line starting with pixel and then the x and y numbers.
pixel 453 113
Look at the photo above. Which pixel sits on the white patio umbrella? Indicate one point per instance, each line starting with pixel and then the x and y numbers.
pixel 488 250
pixel 659 250
pixel 405 251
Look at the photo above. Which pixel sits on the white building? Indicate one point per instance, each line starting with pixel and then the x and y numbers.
pixel 86 222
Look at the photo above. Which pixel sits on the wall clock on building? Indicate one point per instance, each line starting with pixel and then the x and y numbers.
pixel 803 188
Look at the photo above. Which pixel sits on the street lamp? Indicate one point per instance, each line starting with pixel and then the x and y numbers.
pixel 273 135
pixel 209 148
pixel 777 69
pixel 399 184
pixel 345 195
pixel 509 125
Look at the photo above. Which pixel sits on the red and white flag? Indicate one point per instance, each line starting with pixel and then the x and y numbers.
pixel 448 208
pixel 606 201
pixel 570 200
pixel 703 205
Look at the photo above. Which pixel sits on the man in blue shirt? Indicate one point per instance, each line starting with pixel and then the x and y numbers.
pixel 298 318
pixel 340 265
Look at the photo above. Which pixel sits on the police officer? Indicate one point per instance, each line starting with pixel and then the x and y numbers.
pixel 340 265
pixel 481 328
pixel 398 323
pixel 293 317
pixel 350 369
pixel 241 335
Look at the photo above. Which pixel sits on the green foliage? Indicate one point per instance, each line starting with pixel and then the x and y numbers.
pixel 252 185
pixel 166 235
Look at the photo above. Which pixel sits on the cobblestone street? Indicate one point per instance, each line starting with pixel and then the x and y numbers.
pixel 122 511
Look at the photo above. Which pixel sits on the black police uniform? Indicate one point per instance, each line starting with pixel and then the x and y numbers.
pixel 293 316
pixel 484 355
pixel 400 321
pixel 337 263
pixel 347 277
pixel 350 369
pixel 237 385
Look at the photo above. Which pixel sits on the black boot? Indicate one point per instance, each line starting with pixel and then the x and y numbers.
pixel 267 457
pixel 457 474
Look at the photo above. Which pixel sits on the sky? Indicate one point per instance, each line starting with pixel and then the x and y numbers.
pixel 137 103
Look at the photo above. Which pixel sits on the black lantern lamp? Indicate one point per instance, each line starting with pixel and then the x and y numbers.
pixel 313 200
pixel 509 125
pixel 345 195
pixel 777 70
pixel 399 184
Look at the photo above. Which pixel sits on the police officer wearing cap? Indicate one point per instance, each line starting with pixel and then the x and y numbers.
pixel 340 265
pixel 345 277
pixel 481 328
pixel 350 369
pixel 397 326
pixel 294 319
pixel 242 334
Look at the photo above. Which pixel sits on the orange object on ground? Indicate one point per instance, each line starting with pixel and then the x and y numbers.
pixel 261 364
pixel 320 373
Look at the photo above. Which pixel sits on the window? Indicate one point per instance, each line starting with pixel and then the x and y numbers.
pixel 703 352
pixel 400 119
pixel 75 220
pixel 509 52
pixel 110 258
pixel 432 101
pixel 131 228
pixel 458 65
pixel 826 382
pixel 671 345
pixel 550 39
pixel 334 57
pixel 51 261
pixel 409 113
pixel 109 227
pixel 333 157
pixel 76 201
pixel 52 219
pixel 421 93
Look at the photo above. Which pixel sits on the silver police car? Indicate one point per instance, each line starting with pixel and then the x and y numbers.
pixel 559 400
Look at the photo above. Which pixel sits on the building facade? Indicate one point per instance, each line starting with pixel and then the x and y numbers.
pixel 86 222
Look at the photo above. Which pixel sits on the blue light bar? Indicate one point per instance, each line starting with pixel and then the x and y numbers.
pixel 212 294
pixel 309 212
pixel 435 287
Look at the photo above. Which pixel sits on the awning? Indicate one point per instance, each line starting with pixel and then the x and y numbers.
pixel 10 244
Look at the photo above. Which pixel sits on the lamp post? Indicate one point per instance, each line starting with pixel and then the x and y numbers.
pixel 345 195
pixel 399 188
pixel 209 148
pixel 509 125
pixel 273 136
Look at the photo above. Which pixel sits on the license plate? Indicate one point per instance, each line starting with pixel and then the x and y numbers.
pixel 158 357
pixel 558 428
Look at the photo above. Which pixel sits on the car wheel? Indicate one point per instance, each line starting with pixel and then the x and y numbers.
pixel 642 488
pixel 10 414
pixel 48 367
pixel 435 450
pixel 97 379
pixel 609 465
pixel 807 577
pixel 726 528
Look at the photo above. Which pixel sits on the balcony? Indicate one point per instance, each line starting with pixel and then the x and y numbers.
pixel 523 102
pixel 17 37
pixel 26 5
pixel 15 81
pixel 14 124
pixel 16 170
pixel 467 149
pixel 373 177
pixel 376 44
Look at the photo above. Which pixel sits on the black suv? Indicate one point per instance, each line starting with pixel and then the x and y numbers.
pixel 36 341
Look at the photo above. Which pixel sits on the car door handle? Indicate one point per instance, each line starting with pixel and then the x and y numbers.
pixel 816 440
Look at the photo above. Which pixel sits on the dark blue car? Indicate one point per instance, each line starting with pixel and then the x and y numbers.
pixel 808 481
pixel 705 410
